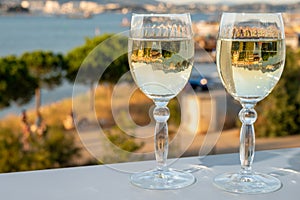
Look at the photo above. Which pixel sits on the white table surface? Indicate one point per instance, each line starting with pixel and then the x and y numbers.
pixel 112 181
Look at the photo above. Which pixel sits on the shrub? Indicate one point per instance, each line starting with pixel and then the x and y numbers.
pixel 122 140
pixel 56 149
pixel 279 113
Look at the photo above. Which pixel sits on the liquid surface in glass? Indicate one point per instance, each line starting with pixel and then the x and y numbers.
pixel 250 68
pixel 161 68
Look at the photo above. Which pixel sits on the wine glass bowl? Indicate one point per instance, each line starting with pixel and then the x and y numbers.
pixel 161 54
pixel 250 61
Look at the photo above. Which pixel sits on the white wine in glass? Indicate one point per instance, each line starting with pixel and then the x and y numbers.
pixel 160 73
pixel 250 61
pixel 161 55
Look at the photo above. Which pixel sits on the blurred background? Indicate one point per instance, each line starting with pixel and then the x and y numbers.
pixel 43 44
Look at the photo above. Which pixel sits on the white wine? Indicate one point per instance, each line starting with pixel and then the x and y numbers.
pixel 161 68
pixel 250 68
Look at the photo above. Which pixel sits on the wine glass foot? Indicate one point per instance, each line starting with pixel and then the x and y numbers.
pixel 254 183
pixel 162 179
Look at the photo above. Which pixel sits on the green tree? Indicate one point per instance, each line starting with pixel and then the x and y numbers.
pixel 47 68
pixel 104 55
pixel 279 113
pixel 57 149
pixel 16 83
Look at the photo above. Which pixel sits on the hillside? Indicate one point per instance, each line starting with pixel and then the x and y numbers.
pixel 122 2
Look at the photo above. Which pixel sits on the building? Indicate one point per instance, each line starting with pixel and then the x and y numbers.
pixel 52 7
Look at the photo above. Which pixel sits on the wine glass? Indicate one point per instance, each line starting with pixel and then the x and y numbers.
pixel 250 61
pixel 161 54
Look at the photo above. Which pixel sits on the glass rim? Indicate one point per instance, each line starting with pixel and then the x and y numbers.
pixel 252 13
pixel 137 24
pixel 230 18
pixel 161 14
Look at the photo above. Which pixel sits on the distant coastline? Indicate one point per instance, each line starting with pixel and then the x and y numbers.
pixel 90 8
pixel 25 32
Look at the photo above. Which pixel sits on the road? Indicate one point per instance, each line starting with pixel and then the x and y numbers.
pixel 95 145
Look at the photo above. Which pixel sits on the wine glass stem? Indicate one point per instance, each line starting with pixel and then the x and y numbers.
pixel 247 137
pixel 161 115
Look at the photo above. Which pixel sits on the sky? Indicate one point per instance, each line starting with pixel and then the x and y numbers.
pixel 233 1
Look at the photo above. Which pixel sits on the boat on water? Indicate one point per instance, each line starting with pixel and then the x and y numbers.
pixel 79 15
pixel 125 22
